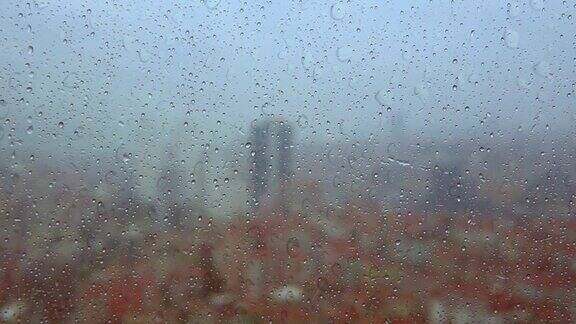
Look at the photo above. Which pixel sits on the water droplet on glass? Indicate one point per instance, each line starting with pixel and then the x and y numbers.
pixel 307 61
pixel 337 11
pixel 542 68
pixel 421 92
pixel 353 83
pixel 30 50
pixel 383 97
pixel 513 10
pixel 144 56
pixel 344 53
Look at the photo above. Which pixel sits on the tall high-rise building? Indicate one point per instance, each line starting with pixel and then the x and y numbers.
pixel 398 125
pixel 271 145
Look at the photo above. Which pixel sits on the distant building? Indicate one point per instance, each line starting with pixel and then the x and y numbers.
pixel 398 125
pixel 270 161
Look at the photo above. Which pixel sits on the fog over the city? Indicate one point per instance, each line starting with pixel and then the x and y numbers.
pixel 279 161
pixel 150 83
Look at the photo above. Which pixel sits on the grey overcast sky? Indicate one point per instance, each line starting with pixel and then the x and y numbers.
pixel 78 75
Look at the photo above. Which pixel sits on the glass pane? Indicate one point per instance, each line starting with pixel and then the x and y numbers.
pixel 287 161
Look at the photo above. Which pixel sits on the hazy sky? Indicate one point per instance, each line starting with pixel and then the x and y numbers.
pixel 80 74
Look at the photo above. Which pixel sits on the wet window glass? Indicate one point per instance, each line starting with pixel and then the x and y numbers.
pixel 287 161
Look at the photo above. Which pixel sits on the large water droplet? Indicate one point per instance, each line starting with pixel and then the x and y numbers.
pixel 344 53
pixel 354 83
pixel 337 11
pixel 383 97
pixel 307 61
pixel 542 68
pixel 421 92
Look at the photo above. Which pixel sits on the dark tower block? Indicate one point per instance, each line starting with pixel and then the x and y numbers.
pixel 259 161
pixel 271 159
pixel 284 152
pixel 284 163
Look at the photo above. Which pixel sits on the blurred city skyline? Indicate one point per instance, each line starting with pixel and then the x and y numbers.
pixel 303 161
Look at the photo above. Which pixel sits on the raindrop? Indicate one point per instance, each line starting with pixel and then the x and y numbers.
pixel 307 61
pixel 383 98
pixel 421 92
pixel 144 56
pixel 542 68
pixel 401 162
pixel 337 11
pixel 344 53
